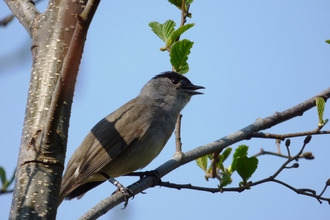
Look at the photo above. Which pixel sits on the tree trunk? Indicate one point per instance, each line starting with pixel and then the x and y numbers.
pixel 58 37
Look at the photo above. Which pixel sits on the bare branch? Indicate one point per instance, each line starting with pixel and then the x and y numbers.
pixel 306 155
pixel 325 187
pixel 214 162
pixel 306 192
pixel 6 20
pixel 263 152
pixel 25 12
pixel 290 160
pixel 284 136
pixel 187 186
pixel 184 12
pixel 178 143
pixel 278 144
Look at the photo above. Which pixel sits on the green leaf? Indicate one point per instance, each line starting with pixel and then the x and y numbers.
pixel 179 55
pixel 320 104
pixel 327 41
pixel 3 175
pixel 222 158
pixel 177 33
pixel 202 163
pixel 220 166
pixel 225 180
pixel 240 151
pixel 209 170
pixel 226 153
pixel 178 3
pixel 157 28
pixel 246 167
pixel 163 31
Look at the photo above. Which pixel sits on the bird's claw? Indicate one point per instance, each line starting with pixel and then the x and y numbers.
pixel 126 193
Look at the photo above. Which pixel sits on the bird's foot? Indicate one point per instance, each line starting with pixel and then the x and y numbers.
pixel 125 191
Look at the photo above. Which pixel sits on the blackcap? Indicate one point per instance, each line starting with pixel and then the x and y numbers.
pixel 129 138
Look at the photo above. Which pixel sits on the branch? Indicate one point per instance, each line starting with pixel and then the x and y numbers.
pixel 65 85
pixel 284 136
pixel 306 155
pixel 184 12
pixel 178 143
pixel 216 146
pixel 306 192
pixel 306 141
pixel 188 186
pixel 25 12
pixel 6 20
pixel 214 162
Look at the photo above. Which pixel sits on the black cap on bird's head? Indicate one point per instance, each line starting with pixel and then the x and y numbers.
pixel 184 82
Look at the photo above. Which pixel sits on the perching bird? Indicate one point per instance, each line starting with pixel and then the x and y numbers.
pixel 129 138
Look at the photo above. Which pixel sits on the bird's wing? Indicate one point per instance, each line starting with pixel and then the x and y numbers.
pixel 104 142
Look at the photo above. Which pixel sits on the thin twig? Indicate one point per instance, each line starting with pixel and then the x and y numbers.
pixel 263 152
pixel 184 12
pixel 325 187
pixel 306 192
pixel 284 165
pixel 278 144
pixel 306 155
pixel 284 136
pixel 187 186
pixel 177 133
pixel 214 164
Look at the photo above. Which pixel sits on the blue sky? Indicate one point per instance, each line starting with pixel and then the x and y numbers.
pixel 253 57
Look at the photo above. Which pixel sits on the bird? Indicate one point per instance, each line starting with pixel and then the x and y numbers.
pixel 129 138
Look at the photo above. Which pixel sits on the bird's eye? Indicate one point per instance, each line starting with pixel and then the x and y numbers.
pixel 175 81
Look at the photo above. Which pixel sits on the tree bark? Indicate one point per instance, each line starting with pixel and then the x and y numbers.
pixel 58 37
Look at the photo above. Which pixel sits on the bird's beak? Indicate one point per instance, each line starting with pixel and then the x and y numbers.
pixel 191 89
